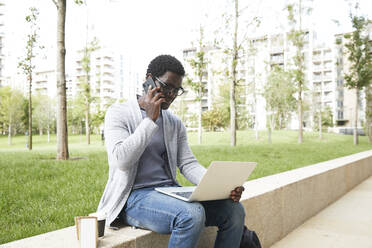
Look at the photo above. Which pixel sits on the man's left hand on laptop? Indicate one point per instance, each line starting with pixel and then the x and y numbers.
pixel 236 193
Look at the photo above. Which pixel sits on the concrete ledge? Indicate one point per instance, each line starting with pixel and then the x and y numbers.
pixel 344 223
pixel 275 205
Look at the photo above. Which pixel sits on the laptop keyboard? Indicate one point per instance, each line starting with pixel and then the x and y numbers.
pixel 183 194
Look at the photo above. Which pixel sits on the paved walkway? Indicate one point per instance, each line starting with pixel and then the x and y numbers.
pixel 344 224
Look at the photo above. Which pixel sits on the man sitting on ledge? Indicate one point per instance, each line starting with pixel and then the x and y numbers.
pixel 145 143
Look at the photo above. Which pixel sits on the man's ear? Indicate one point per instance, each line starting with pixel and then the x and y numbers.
pixel 148 75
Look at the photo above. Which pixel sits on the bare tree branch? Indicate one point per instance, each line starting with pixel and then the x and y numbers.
pixel 257 22
pixel 55 2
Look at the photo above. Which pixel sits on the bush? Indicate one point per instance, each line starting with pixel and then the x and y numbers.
pixel 215 119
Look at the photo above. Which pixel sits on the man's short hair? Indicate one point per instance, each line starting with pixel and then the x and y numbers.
pixel 163 63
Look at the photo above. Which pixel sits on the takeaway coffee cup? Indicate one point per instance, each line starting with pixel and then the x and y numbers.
pixel 101 219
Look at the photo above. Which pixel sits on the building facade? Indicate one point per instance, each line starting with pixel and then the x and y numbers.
pixel 187 105
pixel 112 77
pixel 325 65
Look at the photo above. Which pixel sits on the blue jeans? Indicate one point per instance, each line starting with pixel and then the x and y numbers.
pixel 185 221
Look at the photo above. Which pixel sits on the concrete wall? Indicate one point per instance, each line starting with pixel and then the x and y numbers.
pixel 275 205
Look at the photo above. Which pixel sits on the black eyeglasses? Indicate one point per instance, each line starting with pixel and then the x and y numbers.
pixel 167 89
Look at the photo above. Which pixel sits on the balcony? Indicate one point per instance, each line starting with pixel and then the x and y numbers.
pixel 107 77
pixel 108 82
pixel 108 58
pixel 327 56
pixel 107 66
pixel 317 68
pixel 328 98
pixel 317 58
pixel 327 77
pixel 277 49
pixel 328 89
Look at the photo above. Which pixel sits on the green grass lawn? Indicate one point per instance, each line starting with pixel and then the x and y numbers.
pixel 39 194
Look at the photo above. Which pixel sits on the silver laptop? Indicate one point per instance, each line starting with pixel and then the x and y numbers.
pixel 217 183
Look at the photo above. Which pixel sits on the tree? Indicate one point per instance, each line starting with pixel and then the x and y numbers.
pixel 326 118
pixel 297 37
pixel 199 66
pixel 317 108
pixel 75 114
pixel 62 133
pixel 98 119
pixel 360 69
pixel 215 119
pixel 252 52
pixel 44 113
pixel 26 64
pixel 233 83
pixel 179 108
pixel 278 93
pixel 10 113
pixel 368 124
pixel 223 102
pixel 85 84
pixel 24 118
pixel 234 42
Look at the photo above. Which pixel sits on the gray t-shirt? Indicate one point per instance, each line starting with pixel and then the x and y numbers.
pixel 152 166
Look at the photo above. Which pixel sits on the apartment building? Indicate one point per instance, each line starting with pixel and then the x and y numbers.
pixel 189 96
pixel 268 51
pixel 102 77
pixel 130 83
pixel 323 80
pixel 44 82
pixel 186 105
pixel 325 65
pixel 346 98
pixel 112 77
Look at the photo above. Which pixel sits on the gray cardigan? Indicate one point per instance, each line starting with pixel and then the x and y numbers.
pixel 126 137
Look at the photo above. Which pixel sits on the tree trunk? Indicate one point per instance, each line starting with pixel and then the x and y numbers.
pixel 62 135
pixel 30 112
pixel 255 109
pixel 368 94
pixel 10 133
pixel 87 128
pixel 269 135
pixel 356 117
pixel 320 125
pixel 320 112
pixel 300 131
pixel 200 122
pixel 300 107
pixel 48 131
pixel 232 113
pixel 269 129
pixel 233 81
pixel 256 127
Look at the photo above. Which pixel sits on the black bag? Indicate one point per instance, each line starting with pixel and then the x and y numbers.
pixel 249 239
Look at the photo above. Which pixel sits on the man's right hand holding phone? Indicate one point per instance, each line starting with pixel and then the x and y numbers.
pixel 151 102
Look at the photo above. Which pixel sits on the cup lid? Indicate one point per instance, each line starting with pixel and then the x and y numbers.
pixel 99 215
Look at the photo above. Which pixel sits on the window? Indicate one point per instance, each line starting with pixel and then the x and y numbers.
pixel 340 93
pixel 340 115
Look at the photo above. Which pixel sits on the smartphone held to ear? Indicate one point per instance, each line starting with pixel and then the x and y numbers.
pixel 147 83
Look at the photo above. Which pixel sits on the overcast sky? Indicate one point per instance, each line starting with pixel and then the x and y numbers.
pixel 145 28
